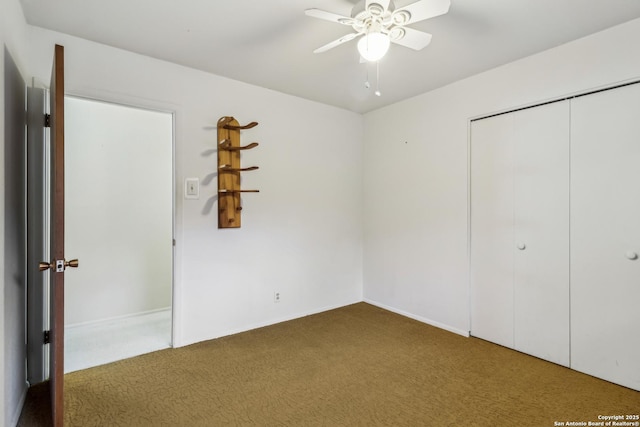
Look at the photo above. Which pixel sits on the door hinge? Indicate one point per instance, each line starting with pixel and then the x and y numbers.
pixel 47 120
pixel 47 338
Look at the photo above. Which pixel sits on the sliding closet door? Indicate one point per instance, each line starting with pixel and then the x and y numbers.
pixel 605 235
pixel 520 230
pixel 492 254
pixel 541 223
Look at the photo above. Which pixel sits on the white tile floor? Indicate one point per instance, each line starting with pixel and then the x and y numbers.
pixel 104 342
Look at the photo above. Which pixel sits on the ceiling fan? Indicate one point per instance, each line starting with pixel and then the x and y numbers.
pixel 381 24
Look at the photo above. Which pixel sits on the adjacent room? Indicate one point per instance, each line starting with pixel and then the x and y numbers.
pixel 320 212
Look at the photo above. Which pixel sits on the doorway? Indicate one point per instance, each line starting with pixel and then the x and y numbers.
pixel 119 220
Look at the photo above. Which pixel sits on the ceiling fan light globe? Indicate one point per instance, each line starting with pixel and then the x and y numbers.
pixel 373 46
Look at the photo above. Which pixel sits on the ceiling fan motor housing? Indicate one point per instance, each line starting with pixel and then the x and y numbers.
pixel 375 8
pixel 375 12
pixel 376 18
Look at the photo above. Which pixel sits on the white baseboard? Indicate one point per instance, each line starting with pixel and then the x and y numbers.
pixel 110 319
pixel 419 318
pixel 268 323
pixel 323 309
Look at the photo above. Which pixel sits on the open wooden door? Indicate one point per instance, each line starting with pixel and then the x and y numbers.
pixel 56 310
pixel 58 264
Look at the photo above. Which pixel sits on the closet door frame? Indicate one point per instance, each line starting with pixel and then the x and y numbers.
pixel 575 363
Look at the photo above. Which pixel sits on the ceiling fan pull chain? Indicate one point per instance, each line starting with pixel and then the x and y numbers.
pixel 366 82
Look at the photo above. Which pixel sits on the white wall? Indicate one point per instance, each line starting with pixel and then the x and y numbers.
pixel 415 170
pixel 119 210
pixel 301 235
pixel 13 36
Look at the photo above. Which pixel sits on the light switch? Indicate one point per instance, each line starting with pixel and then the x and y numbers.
pixel 191 188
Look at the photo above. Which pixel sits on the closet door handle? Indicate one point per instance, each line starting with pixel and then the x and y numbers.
pixel 522 246
pixel 632 255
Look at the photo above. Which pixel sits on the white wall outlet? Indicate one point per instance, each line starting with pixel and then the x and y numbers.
pixel 276 297
pixel 191 188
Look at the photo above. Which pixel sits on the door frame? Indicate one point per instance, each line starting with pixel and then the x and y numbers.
pixel 110 99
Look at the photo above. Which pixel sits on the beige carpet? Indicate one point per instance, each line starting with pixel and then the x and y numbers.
pixel 354 366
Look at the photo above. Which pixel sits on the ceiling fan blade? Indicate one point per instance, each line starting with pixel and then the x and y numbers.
pixel 408 37
pixel 329 16
pixel 420 10
pixel 384 5
pixel 338 42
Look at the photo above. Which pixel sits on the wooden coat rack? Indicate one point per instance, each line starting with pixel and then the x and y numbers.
pixel 229 169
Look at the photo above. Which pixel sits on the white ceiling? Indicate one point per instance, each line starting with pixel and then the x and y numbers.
pixel 269 43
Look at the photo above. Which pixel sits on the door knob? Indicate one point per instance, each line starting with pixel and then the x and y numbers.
pixel 632 255
pixel 73 263
pixel 59 265
pixel 43 266
pixel 522 246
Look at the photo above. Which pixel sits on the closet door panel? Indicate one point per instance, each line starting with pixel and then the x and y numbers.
pixel 605 235
pixel 541 200
pixel 492 229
